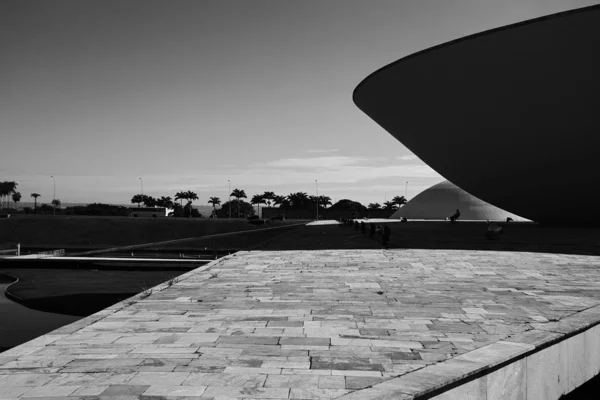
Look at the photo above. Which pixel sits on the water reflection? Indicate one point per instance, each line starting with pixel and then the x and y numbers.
pixel 21 324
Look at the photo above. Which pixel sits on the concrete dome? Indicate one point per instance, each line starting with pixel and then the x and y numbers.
pixel 443 199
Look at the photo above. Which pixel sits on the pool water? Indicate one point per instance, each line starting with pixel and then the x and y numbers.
pixel 19 324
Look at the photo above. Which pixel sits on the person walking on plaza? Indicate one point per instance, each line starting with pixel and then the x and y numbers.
pixel 385 237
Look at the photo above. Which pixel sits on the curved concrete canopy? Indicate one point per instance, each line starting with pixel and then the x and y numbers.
pixel 441 201
pixel 511 115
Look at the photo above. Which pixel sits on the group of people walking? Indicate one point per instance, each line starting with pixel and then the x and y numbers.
pixel 381 233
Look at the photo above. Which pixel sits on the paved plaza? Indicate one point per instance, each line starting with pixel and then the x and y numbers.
pixel 356 324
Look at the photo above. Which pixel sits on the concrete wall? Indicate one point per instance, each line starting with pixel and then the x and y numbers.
pixel 543 375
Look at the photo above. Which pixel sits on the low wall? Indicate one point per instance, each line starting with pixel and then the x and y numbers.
pixel 541 364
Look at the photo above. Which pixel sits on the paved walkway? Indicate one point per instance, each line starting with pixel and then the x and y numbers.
pixel 324 222
pixel 313 325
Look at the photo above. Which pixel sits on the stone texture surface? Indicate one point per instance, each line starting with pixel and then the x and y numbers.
pixel 576 365
pixel 364 324
pixel 472 390
pixel 592 350
pixel 547 373
pixel 508 383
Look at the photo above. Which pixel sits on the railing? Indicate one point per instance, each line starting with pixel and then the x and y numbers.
pixel 8 251
pixel 17 251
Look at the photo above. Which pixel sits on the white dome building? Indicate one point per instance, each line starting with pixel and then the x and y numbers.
pixel 443 199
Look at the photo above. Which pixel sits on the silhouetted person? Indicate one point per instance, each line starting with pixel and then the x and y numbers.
pixel 371 230
pixel 493 230
pixel 456 215
pixel 385 238
pixel 355 225
pixel 363 227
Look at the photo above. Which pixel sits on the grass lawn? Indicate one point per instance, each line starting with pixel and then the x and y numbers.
pixel 99 232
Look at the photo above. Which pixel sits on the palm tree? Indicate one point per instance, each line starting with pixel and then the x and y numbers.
pixel 298 199
pixel 190 197
pixel 56 203
pixel 238 194
pixel 148 201
pixel 35 196
pixel 180 196
pixel 164 202
pixel 215 201
pixel 6 189
pixel 138 198
pixel 16 197
pixel 325 201
pixel 268 197
pixel 280 200
pixel 400 200
pixel 374 206
pixel 12 187
pixel 258 200
pixel 390 206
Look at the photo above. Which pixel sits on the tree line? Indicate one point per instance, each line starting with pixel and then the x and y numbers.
pixel 293 200
pixel 392 205
pixel 236 208
pixel 8 191
pixel 297 200
pixel 168 202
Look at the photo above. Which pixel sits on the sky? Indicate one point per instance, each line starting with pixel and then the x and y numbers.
pixel 189 95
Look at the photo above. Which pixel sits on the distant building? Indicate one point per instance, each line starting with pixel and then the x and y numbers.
pixel 443 199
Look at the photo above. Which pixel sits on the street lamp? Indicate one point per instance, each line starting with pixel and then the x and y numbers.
pixel 53 195
pixel 229 202
pixel 405 189
pixel 317 183
pixel 141 184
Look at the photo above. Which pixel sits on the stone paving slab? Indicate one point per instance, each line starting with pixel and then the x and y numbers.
pixel 355 324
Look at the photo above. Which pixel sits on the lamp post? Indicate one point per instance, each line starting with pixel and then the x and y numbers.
pixel 317 184
pixel 53 195
pixel 141 184
pixel 405 189
pixel 229 202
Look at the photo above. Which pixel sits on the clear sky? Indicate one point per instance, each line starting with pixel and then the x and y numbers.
pixel 191 94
